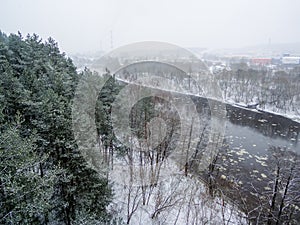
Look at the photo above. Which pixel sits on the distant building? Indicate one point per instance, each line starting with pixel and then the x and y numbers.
pixel 261 61
pixel 290 60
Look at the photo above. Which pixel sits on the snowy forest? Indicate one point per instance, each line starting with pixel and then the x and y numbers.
pixel 48 177
pixel 43 179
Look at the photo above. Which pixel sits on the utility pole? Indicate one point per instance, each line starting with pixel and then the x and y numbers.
pixel 269 47
pixel 111 40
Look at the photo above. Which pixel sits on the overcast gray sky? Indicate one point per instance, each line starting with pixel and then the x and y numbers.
pixel 85 25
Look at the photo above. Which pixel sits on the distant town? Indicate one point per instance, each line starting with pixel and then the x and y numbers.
pixel 285 62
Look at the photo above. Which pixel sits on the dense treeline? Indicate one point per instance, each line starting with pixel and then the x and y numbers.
pixel 277 91
pixel 43 177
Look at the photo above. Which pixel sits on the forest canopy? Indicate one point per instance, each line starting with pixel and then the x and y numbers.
pixel 43 177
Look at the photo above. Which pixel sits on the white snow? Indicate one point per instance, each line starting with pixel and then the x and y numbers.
pixel 174 199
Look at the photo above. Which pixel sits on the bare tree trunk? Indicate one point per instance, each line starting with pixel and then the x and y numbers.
pixel 284 196
pixel 273 201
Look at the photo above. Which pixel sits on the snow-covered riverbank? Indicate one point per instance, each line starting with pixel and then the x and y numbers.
pixel 174 199
pixel 293 116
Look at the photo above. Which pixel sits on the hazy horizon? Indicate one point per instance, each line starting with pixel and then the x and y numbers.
pixel 87 26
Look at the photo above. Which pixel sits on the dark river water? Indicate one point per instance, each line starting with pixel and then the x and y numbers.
pixel 246 156
pixel 257 131
pixel 249 135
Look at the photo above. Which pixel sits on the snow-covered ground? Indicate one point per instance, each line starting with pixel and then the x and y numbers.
pixel 173 199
